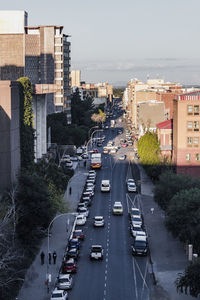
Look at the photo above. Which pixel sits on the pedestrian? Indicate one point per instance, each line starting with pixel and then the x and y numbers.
pixel 54 257
pixel 49 257
pixel 70 190
pixel 152 210
pixel 42 255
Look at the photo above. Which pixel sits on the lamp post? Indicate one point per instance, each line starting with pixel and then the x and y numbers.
pixel 91 138
pixel 90 130
pixel 48 248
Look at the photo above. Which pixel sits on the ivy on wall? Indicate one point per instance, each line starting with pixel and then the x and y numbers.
pixel 26 123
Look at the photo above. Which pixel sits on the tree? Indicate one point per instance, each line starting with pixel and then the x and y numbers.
pixel 99 118
pixel 183 216
pixel 170 184
pixel 149 149
pixel 189 280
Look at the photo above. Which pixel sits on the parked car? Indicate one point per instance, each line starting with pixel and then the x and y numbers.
pixel 130 180
pixel 117 208
pixel 64 282
pixel 74 243
pixel 90 185
pixel 122 157
pixel 98 221
pixel 74 158
pixel 84 211
pixel 135 229
pixel 136 220
pixel 140 246
pixel 134 212
pixel 90 190
pixel 92 172
pixel 59 294
pixel 80 220
pixel 87 201
pixel 90 180
pixel 72 253
pixel 78 234
pixel 68 163
pixel 69 266
pixel 96 252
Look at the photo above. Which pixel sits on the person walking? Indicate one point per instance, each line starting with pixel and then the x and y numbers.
pixel 49 257
pixel 54 257
pixel 42 255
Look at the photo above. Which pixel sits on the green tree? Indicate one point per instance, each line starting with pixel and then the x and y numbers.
pixel 183 216
pixel 149 149
pixel 170 184
pixel 118 92
pixel 189 280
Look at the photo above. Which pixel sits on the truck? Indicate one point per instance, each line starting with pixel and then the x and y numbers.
pixel 96 160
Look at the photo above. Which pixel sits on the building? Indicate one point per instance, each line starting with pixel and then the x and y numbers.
pixel 164 132
pixel 9 133
pixel 149 113
pixel 41 53
pixel 186 137
pixel 75 78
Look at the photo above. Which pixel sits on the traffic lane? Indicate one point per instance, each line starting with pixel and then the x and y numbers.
pixel 89 281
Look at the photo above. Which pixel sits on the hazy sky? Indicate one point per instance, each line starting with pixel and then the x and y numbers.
pixel 116 40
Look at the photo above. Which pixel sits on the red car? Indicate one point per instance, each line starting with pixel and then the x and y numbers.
pixel 78 234
pixel 95 151
pixel 69 266
pixel 124 145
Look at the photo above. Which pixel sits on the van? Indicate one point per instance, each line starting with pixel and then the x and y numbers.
pixel 105 186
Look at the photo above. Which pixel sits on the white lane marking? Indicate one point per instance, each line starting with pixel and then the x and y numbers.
pixel 105 278
pixel 106 271
pixel 143 278
pixel 106 259
pixel 134 273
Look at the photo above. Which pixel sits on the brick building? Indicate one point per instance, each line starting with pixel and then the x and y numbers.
pixel 186 136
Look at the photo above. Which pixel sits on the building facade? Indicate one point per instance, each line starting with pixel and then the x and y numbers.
pixel 164 132
pixel 75 78
pixel 186 133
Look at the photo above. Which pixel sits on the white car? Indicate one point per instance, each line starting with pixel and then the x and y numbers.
pixel 80 220
pixel 98 221
pixel 135 229
pixel 122 157
pixel 83 211
pixel 64 281
pixel 68 163
pixel 117 208
pixel 136 220
pixel 130 180
pixel 131 186
pixel 74 158
pixel 134 212
pixel 90 186
pixel 92 172
pixel 96 252
pixel 112 151
pixel 59 294
pixel 105 186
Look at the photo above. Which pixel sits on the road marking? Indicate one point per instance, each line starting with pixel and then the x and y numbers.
pixel 134 273
pixel 143 278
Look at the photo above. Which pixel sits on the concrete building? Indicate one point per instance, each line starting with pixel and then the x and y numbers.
pixel 149 113
pixel 75 78
pixel 41 53
pixel 164 132
pixel 9 133
pixel 186 137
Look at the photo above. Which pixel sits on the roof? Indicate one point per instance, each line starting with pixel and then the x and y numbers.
pixel 165 125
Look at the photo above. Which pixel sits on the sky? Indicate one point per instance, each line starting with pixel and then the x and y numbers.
pixel 116 40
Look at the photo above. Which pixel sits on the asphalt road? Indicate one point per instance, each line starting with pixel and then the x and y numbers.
pixel 119 275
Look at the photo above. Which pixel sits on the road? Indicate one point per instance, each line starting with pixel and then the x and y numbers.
pixel 119 275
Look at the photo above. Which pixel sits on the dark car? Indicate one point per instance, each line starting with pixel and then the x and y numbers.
pixel 140 246
pixel 78 234
pixel 74 243
pixel 87 194
pixel 72 253
pixel 99 144
pixel 87 201
pixel 69 266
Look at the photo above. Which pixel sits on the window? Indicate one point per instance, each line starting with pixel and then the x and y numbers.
pixel 196 141
pixel 189 125
pixel 196 126
pixel 189 140
pixel 197 156
pixel 196 109
pixel 190 109
pixel 188 155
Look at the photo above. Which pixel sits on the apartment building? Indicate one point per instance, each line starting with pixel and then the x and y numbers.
pixel 186 133
pixel 75 78
pixel 164 132
pixel 41 53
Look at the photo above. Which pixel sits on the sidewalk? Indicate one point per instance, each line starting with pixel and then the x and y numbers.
pixel 34 284
pixel 167 253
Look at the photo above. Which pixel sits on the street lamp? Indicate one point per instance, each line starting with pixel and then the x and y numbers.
pixel 90 130
pixel 91 138
pixel 48 248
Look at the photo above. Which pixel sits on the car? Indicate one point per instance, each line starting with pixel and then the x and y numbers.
pixel 78 234
pixel 105 151
pixel 73 158
pixel 74 243
pixel 80 205
pixel 89 190
pixel 64 282
pixel 80 220
pixel 99 144
pixel 135 229
pixel 69 266
pixel 105 185
pixel 140 246
pixel 96 252
pixel 130 180
pixel 72 253
pixel 87 194
pixel 90 185
pixel 95 151
pixel 68 163
pixel 124 145
pixel 134 212
pixel 92 172
pixel 87 201
pixel 59 294
pixel 136 220
pixel 85 156
pixel 90 180
pixel 122 157
pixel 98 221
pixel 84 211
pixel 112 151
pixel 117 208
pixel 79 158
pixel 131 186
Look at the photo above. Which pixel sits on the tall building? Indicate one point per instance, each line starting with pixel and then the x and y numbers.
pixel 75 78
pixel 186 133
pixel 41 53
